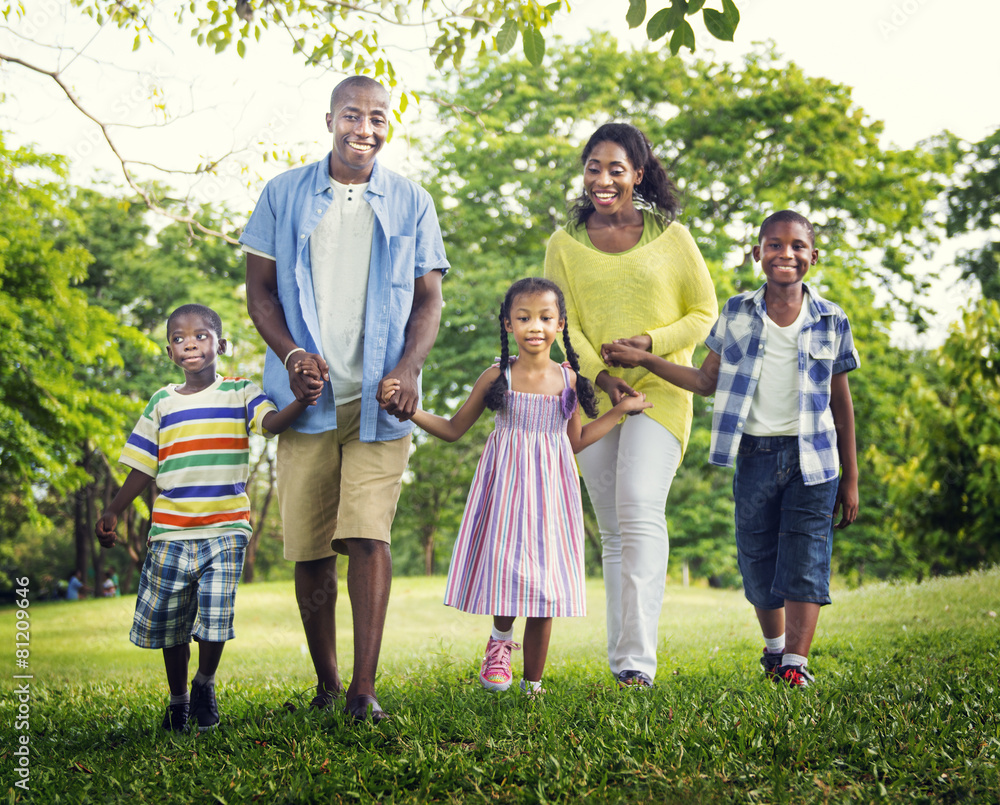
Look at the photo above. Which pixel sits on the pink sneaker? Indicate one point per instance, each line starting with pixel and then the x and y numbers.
pixel 495 671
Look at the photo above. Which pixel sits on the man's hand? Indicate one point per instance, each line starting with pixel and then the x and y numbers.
pixel 398 393
pixel 307 372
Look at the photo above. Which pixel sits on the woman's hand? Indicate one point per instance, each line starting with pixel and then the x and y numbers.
pixel 638 343
pixel 614 387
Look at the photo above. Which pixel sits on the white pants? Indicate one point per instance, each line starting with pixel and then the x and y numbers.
pixel 628 475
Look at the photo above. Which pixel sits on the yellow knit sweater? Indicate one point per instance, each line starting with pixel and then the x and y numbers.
pixel 662 289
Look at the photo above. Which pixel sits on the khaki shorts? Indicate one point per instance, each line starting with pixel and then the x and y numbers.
pixel 334 487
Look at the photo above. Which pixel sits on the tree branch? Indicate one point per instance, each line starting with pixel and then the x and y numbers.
pixel 191 222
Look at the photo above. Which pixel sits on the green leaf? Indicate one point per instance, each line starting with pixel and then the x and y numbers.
pixel 694 6
pixel 658 25
pixel 722 24
pixel 241 48
pixel 636 13
pixel 682 37
pixel 534 45
pixel 506 36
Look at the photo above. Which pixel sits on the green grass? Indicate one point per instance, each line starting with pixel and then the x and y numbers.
pixel 907 709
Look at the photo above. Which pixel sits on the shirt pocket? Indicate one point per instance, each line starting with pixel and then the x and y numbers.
pixel 402 249
pixel 739 343
pixel 821 354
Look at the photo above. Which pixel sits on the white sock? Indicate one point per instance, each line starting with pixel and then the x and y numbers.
pixel 184 698
pixel 775 645
pixel 531 687
pixel 794 659
pixel 496 634
pixel 201 679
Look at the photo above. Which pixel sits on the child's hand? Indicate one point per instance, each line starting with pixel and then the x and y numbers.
pixel 307 367
pixel 105 529
pixel 633 403
pixel 622 352
pixel 848 503
pixel 386 389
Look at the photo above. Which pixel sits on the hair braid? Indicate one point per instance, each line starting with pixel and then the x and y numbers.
pixel 497 392
pixel 584 388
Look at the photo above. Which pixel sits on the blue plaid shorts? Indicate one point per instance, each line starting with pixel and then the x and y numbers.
pixel 188 589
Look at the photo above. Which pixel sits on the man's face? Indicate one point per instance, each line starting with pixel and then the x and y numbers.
pixel 359 123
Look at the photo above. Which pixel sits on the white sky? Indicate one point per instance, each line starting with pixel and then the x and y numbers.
pixel 920 66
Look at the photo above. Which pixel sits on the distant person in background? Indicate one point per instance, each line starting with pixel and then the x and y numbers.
pixel 109 589
pixel 75 589
pixel 193 440
pixel 778 363
pixel 630 271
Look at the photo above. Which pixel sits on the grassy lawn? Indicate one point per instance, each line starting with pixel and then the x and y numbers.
pixel 906 709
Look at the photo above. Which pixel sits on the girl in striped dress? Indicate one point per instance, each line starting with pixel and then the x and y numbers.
pixel 519 551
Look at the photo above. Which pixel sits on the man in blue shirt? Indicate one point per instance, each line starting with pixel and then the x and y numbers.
pixel 344 265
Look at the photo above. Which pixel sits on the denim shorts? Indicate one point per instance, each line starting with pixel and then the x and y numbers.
pixel 784 529
pixel 188 589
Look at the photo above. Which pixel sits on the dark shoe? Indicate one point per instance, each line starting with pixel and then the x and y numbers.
pixel 795 676
pixel 771 663
pixel 634 679
pixel 176 717
pixel 361 708
pixel 204 710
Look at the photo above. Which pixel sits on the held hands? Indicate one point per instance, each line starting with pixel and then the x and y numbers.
pixel 306 377
pixel 626 352
pixel 386 389
pixel 397 394
pixel 632 403
pixel 307 373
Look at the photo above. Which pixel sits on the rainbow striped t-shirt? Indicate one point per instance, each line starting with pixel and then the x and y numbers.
pixel 197 447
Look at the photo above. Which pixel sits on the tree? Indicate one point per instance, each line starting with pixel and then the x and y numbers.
pixel 741 140
pixel 53 414
pixel 974 204
pixel 944 493
pixel 345 37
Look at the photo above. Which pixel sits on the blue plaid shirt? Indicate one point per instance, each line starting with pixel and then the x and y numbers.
pixel 826 348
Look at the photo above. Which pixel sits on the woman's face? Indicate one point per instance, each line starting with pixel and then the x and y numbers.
pixel 609 178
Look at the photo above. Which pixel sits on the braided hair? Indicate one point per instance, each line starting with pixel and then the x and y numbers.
pixel 656 191
pixel 529 286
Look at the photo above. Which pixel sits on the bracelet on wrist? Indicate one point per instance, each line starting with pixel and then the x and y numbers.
pixel 289 355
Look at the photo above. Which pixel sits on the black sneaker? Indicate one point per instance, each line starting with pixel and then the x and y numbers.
pixel 176 717
pixel 795 676
pixel 771 664
pixel 634 679
pixel 204 710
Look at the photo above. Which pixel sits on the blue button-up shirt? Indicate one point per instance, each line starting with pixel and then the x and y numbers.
pixel 826 348
pixel 406 244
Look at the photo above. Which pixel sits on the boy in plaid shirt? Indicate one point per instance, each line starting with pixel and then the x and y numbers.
pixel 193 439
pixel 777 365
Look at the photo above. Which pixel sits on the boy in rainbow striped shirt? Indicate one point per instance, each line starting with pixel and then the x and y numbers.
pixel 193 439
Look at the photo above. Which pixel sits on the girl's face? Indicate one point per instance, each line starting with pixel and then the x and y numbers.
pixel 609 178
pixel 534 322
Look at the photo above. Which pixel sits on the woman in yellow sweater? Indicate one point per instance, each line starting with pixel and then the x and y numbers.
pixel 630 271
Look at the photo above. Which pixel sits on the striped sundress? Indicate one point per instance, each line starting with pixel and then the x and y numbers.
pixel 519 550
